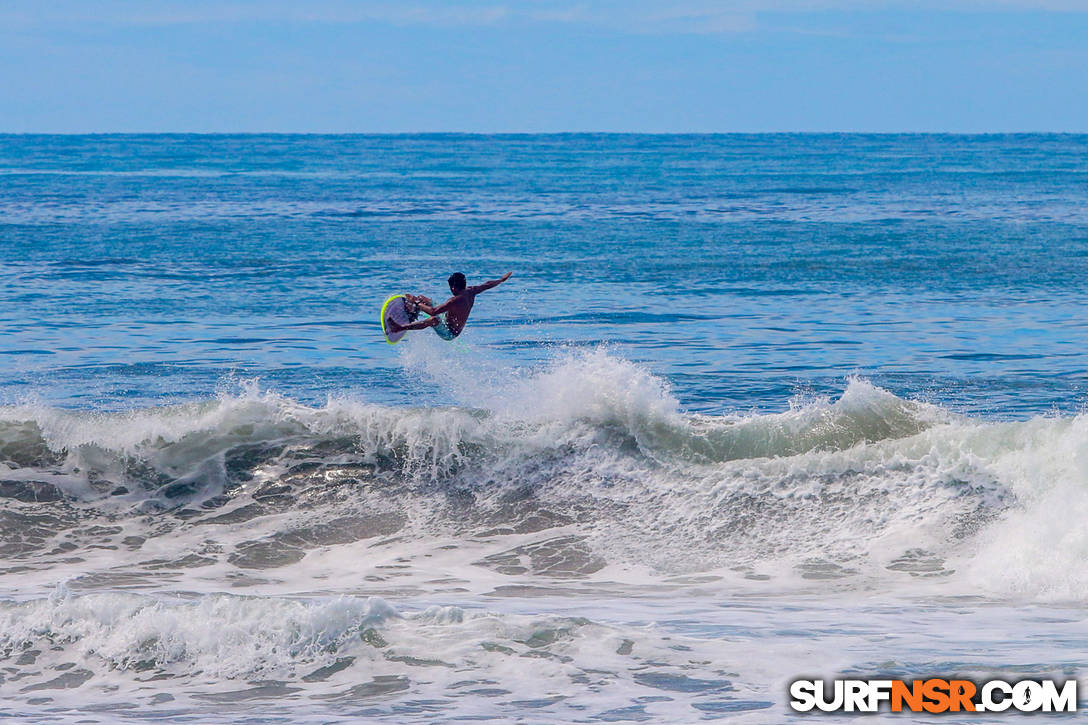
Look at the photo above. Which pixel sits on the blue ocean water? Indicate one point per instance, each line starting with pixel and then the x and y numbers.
pixel 751 408
pixel 142 269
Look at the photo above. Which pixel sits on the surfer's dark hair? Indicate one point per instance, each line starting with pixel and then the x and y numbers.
pixel 457 281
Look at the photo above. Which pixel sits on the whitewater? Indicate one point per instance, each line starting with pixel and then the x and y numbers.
pixel 751 409
pixel 358 559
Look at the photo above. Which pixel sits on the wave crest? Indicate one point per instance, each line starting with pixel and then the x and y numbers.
pixel 863 485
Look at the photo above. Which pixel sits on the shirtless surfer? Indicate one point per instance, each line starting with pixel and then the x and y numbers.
pixel 448 319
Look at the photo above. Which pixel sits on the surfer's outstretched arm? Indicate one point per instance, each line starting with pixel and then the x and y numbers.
pixel 490 284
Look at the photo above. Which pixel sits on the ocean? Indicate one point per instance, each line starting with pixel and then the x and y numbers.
pixel 752 408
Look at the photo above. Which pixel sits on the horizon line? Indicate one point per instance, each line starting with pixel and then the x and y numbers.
pixel 547 133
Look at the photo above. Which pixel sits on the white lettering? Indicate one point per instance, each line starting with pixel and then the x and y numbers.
pixel 803 693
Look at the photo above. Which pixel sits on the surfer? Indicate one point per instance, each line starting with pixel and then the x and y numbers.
pixel 448 319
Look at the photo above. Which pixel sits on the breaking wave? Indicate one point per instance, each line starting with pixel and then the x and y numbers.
pixel 209 654
pixel 592 459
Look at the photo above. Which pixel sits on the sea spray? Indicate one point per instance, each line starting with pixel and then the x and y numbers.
pixel 866 487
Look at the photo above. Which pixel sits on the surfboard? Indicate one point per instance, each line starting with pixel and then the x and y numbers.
pixel 396 307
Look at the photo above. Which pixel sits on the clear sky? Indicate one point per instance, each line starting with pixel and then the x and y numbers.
pixel 543 65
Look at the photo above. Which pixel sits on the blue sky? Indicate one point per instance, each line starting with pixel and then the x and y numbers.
pixel 543 65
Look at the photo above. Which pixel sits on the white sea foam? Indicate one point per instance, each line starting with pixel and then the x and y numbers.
pixel 395 557
pixel 342 652
pixel 829 493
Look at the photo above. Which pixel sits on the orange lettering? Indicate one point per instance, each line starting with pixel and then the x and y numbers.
pixel 911 695
pixel 936 691
pixel 961 692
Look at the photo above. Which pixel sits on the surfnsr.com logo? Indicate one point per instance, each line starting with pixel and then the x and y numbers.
pixel 933 695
